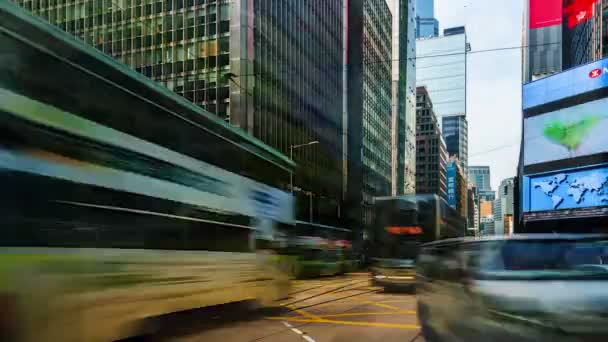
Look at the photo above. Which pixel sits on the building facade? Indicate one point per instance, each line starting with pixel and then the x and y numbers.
pixel 426 24
pixel 431 152
pixel 504 206
pixel 404 99
pixel 455 130
pixel 541 39
pixel 480 176
pixel 582 41
pixel 369 104
pixel 472 210
pixel 218 54
pixel 487 195
pixel 441 67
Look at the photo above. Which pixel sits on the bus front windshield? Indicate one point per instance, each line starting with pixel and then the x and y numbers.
pixel 398 247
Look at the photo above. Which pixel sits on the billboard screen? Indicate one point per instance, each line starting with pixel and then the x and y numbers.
pixel 569 83
pixel 566 194
pixel 545 13
pixel 566 133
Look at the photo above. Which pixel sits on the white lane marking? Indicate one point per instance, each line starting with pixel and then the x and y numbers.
pixel 299 332
pixel 308 338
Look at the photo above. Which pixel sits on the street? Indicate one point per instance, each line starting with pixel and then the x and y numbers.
pixel 344 308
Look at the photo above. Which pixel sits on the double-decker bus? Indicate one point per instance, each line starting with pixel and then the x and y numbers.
pixel 401 224
pixel 121 201
pixel 317 250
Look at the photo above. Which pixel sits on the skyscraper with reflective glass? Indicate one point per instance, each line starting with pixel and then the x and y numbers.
pixel 270 67
pixel 369 52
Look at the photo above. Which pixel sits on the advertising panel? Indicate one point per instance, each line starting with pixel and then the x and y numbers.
pixel 566 194
pixel 569 83
pixel 451 179
pixel 566 133
pixel 545 13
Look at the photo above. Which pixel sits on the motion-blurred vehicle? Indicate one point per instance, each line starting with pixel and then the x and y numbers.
pixel 401 225
pixel 123 202
pixel 519 288
pixel 319 250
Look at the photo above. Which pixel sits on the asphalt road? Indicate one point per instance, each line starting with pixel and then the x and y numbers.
pixel 336 309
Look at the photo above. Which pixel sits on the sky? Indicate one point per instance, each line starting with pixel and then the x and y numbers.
pixel 494 79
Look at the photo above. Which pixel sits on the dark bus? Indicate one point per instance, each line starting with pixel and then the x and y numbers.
pixel 401 224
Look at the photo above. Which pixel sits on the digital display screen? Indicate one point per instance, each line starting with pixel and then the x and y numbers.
pixel 566 133
pixel 566 194
pixel 576 81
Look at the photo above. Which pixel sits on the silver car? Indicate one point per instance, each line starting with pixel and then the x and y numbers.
pixel 518 288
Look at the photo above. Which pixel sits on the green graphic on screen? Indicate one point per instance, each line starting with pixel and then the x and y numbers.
pixel 571 134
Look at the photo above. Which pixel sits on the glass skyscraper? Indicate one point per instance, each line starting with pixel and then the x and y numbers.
pixel 426 24
pixel 404 99
pixel 455 129
pixel 480 176
pixel 270 67
pixel 441 68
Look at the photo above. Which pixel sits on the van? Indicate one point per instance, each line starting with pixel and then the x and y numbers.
pixel 518 288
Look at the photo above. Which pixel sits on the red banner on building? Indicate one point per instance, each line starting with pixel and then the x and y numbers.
pixel 545 13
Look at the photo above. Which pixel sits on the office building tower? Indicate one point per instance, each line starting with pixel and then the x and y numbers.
pixel 582 32
pixel 426 24
pixel 431 152
pixel 404 99
pixel 369 100
pixel 236 59
pixel 503 208
pixel 487 195
pixel 455 132
pixel 541 39
pixel 441 67
pixel 480 176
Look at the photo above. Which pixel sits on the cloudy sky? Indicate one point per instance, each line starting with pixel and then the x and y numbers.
pixel 494 79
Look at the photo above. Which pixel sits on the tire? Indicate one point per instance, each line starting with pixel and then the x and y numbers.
pixel 429 334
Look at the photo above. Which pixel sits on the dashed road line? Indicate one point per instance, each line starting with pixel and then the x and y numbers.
pixel 299 332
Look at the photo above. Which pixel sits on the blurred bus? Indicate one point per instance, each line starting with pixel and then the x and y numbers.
pixel 121 201
pixel 401 225
pixel 318 250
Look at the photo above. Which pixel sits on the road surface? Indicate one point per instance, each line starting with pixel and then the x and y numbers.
pixel 336 309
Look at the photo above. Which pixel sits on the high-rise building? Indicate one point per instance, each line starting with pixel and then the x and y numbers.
pixel 426 24
pixel 431 152
pixel 480 177
pixel 370 99
pixel 487 195
pixel 236 59
pixel 404 99
pixel 562 34
pixel 582 38
pixel 503 207
pixel 441 66
pixel 542 39
pixel 455 129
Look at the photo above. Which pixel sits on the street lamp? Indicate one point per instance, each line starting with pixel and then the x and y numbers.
pixel 293 147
